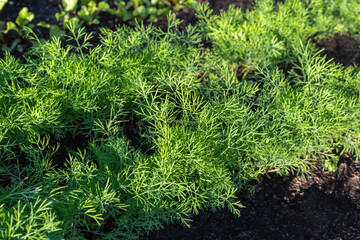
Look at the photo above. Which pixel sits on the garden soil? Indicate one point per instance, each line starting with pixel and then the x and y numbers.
pixel 322 205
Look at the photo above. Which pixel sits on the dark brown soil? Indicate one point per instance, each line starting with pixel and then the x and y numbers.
pixel 343 49
pixel 325 205
pixel 221 6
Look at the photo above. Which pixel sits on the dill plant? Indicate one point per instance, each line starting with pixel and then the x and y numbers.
pixel 263 36
pixel 268 34
pixel 110 179
pixel 302 113
pixel 208 133
pixel 334 17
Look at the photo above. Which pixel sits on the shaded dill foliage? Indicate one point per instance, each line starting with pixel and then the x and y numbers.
pixel 209 132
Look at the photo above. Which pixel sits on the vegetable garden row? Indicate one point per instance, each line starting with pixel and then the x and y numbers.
pixel 171 122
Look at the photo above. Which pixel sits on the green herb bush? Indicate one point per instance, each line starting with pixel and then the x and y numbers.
pixel 204 132
pixel 268 34
pixel 52 98
pixel 335 17
pixel 264 39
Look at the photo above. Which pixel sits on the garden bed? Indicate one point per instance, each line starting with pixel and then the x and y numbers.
pixel 320 204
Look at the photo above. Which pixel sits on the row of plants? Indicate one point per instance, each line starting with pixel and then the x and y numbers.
pixel 87 13
pixel 204 130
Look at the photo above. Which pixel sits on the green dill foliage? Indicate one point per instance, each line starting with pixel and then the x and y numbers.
pixel 132 71
pixel 49 95
pixel 263 36
pixel 335 17
pixel 302 113
pixel 34 220
pixel 156 70
pixel 202 132
pixel 268 34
